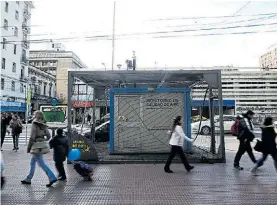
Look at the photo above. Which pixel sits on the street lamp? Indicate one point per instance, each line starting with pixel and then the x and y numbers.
pixel 104 66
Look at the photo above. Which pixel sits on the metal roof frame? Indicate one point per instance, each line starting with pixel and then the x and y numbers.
pixel 99 79
pixel 142 79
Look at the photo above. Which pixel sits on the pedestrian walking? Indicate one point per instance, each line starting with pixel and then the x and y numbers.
pixel 88 118
pixel 245 136
pixel 176 141
pixel 16 127
pixel 268 145
pixel 59 144
pixel 5 121
pixel 38 146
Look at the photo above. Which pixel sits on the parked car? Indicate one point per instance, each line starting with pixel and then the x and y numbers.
pixel 205 127
pixel 102 132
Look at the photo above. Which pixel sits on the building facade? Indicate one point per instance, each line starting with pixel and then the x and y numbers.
pixel 269 60
pixel 250 89
pixel 42 87
pixel 57 61
pixel 15 30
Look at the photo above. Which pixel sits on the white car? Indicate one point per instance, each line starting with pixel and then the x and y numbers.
pixel 205 127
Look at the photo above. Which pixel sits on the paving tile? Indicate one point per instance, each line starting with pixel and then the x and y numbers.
pixel 142 184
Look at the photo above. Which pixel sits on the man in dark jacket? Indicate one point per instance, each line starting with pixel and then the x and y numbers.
pixel 60 145
pixel 268 143
pixel 5 121
pixel 245 136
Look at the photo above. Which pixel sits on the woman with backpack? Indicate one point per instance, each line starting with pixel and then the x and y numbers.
pixel 38 146
pixel 268 145
pixel 177 141
pixel 16 127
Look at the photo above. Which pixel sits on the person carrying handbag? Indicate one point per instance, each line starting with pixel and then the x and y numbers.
pixel 38 146
pixel 268 144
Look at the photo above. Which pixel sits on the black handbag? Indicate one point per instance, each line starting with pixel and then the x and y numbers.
pixel 259 146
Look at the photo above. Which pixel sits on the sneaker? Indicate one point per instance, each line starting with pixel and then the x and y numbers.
pixel 62 178
pixel 238 167
pixel 167 170
pixel 260 164
pixel 190 168
pixel 25 182
pixel 51 183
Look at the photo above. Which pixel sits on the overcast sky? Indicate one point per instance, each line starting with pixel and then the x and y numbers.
pixel 89 18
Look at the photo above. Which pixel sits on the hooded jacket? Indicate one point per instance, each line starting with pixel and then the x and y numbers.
pixel 39 131
pixel 59 144
pixel 268 139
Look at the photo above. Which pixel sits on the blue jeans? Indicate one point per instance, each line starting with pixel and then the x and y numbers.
pixel 46 169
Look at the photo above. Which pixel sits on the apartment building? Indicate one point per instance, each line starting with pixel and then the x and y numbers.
pixel 269 59
pixel 42 86
pixel 15 30
pixel 57 61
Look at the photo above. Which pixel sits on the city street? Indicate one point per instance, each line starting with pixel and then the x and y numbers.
pixel 143 183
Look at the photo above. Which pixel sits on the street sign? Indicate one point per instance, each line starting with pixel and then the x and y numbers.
pixel 54 101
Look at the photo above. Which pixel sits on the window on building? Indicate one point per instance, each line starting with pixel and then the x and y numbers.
pixel 50 91
pixel 25 20
pixel 16 15
pixel 6 24
pixel 4 43
pixel 14 49
pixel 39 89
pixel 21 87
pixel 14 67
pixel 2 83
pixel 13 86
pixel 22 72
pixel 17 2
pixel 3 63
pixel 7 7
pixel 25 37
pixel 15 31
pixel 44 89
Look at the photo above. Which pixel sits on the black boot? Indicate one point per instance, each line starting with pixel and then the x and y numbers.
pixel 167 170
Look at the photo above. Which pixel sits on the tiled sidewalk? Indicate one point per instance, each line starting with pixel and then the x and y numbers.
pixel 143 184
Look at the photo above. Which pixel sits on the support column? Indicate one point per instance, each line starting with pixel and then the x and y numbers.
pixel 211 113
pixel 221 124
pixel 93 116
pixel 69 105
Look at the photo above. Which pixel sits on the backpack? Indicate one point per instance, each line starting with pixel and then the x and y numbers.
pixel 235 128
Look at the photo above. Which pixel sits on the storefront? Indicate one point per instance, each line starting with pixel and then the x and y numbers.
pixel 14 107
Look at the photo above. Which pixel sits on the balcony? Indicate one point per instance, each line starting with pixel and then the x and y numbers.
pixel 38 97
pixel 25 44
pixel 26 13
pixel 26 30
pixel 24 60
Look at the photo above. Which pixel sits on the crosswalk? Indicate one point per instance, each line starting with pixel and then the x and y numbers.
pixel 22 139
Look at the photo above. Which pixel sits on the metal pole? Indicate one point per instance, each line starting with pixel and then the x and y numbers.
pixel 211 113
pixel 26 113
pixel 93 116
pixel 113 34
pixel 220 106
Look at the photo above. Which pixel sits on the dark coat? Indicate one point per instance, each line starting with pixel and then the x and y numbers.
pixel 59 144
pixel 268 139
